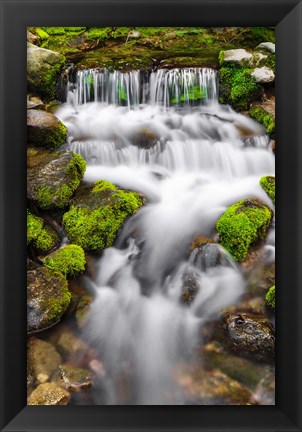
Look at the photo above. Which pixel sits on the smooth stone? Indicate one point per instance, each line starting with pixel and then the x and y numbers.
pixel 237 56
pixel 43 359
pixel 263 75
pixel 267 46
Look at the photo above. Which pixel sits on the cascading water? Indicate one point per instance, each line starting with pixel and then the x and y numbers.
pixel 166 136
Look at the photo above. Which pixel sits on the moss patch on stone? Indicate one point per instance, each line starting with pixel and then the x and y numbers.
pixel 241 225
pixel 40 235
pixel 45 130
pixel 268 184
pixel 69 260
pixel 270 297
pixel 263 117
pixel 95 217
pixel 237 87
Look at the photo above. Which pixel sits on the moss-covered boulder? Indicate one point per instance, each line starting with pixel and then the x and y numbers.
pixel 74 379
pixel 49 394
pixel 52 182
pixel 268 184
pixel 45 129
pixel 43 70
pixel 69 260
pixel 270 297
pixel 48 298
pixel 237 87
pixel 262 116
pixel 250 336
pixel 40 235
pixel 43 359
pixel 97 213
pixel 243 224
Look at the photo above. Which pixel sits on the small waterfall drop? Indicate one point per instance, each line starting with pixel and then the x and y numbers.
pixel 165 135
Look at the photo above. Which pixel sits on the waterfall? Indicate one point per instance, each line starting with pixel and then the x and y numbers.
pixel 175 87
pixel 190 164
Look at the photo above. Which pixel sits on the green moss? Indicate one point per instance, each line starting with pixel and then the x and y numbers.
pixel 270 297
pixel 54 30
pixel 241 225
pixel 99 33
pixel 268 184
pixel 269 62
pixel 41 33
pixel 74 30
pixel 263 117
pixel 41 236
pixel 262 34
pixel 74 171
pixel 69 260
pixel 93 224
pixel 56 306
pixel 195 93
pixel 237 87
pixel 48 84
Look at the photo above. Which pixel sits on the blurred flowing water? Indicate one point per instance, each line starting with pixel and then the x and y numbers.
pixel 166 136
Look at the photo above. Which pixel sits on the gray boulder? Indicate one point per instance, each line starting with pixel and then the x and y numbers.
pixel 44 129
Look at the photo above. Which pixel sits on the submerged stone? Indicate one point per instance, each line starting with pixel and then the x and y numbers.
pixel 97 213
pixel 250 335
pixel 44 129
pixel 53 181
pixel 49 394
pixel 48 298
pixel 75 379
pixel 243 224
pixel 43 359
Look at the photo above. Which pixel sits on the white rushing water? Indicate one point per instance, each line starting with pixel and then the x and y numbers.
pixel 191 162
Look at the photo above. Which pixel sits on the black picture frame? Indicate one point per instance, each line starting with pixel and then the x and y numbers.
pixel 286 15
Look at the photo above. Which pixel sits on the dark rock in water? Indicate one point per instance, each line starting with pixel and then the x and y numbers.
pixel 71 345
pixel 209 255
pixel 75 379
pixel 48 298
pixel 53 181
pixel 45 129
pixel 199 241
pixel 145 138
pixel 190 287
pixel 43 359
pixel 213 388
pixel 43 70
pixel 31 265
pixel 251 336
pixel 49 394
pixel 82 310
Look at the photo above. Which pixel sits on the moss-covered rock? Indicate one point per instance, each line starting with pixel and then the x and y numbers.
pixel 243 224
pixel 270 297
pixel 49 394
pixel 53 181
pixel 250 336
pixel 268 184
pixel 97 213
pixel 237 87
pixel 43 358
pixel 69 260
pixel 45 130
pixel 40 235
pixel 263 117
pixel 48 298
pixel 43 69
pixel 75 379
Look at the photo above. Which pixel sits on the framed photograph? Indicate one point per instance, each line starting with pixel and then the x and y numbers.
pixel 142 233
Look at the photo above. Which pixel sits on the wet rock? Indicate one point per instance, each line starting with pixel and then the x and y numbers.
pixel 40 235
pixel 43 359
pixel 255 305
pixel 75 379
pixel 71 345
pixel 43 69
pixel 82 311
pixel 48 298
pixel 97 212
pixel 250 335
pixel 35 155
pixel 209 255
pixel 236 56
pixel 266 46
pixel 214 356
pixel 265 391
pixel 145 138
pixel 45 129
pixel 30 377
pixel 34 102
pixel 69 260
pixel 53 181
pixel 190 287
pixel 261 278
pixel 49 394
pixel 213 388
pixel 263 75
pixel 199 241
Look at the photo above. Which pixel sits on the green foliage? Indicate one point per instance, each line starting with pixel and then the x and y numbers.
pixel 47 87
pixel 262 34
pixel 74 30
pixel 41 236
pixel 58 196
pixel 263 117
pixel 241 225
pixel 94 226
pixel 268 184
pixel 269 61
pixel 69 260
pixel 54 31
pixel 99 33
pixel 270 297
pixel 41 34
pixel 237 87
